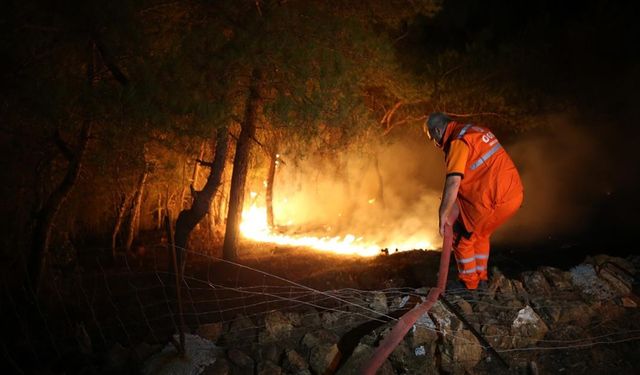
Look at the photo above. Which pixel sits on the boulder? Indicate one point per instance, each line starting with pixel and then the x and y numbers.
pixel 210 331
pixel 278 327
pixel 617 277
pixel 592 288
pixel 311 318
pixel 423 332
pixel 460 352
pixel 378 302
pixel 324 358
pixel 557 278
pixel 294 362
pixel 270 352
pixel 242 331
pixel 527 328
pixel 269 368
pixel 317 337
pixel 499 336
pixel 535 283
pixel 219 367
pixel 414 360
pixel 240 358
pixel 459 348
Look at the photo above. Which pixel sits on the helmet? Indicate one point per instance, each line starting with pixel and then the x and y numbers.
pixel 436 120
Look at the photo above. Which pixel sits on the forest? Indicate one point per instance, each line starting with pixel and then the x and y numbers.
pixel 172 138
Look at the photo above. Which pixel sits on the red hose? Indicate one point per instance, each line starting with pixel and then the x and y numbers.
pixel 407 321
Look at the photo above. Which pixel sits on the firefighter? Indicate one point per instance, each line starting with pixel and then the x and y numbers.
pixel 482 190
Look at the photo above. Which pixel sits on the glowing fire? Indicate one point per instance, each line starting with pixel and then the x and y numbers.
pixel 254 226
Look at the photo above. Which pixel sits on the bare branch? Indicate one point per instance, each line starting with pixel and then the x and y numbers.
pixel 108 62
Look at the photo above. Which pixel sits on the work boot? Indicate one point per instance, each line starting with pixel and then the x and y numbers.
pixel 456 287
pixel 483 286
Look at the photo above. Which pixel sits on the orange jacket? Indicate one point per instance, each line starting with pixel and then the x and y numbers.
pixel 490 177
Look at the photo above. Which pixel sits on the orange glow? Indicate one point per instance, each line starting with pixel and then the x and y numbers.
pixel 254 227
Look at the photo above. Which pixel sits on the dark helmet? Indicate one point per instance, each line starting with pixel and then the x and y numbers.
pixel 436 120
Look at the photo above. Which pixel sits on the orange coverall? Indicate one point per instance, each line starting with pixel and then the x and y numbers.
pixel 490 193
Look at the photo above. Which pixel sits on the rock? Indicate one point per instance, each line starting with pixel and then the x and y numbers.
pixel 601 260
pixel 399 302
pixel 201 354
pixel 464 307
pixel 535 283
pixel 406 359
pixel 499 285
pixel 240 358
pixel 294 318
pixel 568 309
pixel 311 318
pixel 498 336
pixel 270 352
pixel 293 362
pixel 210 331
pixel 459 349
pixel 277 327
pixel 219 367
pixel 460 352
pixel 340 322
pixel 527 328
pixel 317 337
pixel 618 278
pixel 590 286
pixel 379 302
pixel 423 332
pixel 520 292
pixel 324 358
pixel 557 278
pixel 242 331
pixel 269 368
pixel 358 358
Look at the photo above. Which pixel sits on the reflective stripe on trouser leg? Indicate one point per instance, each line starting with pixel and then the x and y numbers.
pixel 481 247
pixel 466 262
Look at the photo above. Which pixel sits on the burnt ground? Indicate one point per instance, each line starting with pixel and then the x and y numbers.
pixel 121 301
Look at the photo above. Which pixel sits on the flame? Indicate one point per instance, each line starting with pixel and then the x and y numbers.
pixel 254 226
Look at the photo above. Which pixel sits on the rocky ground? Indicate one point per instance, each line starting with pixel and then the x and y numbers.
pixel 584 320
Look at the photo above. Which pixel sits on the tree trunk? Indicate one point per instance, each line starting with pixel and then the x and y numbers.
pixel 37 261
pixel 271 176
pixel 126 202
pixel 189 218
pixel 380 193
pixel 135 210
pixel 240 166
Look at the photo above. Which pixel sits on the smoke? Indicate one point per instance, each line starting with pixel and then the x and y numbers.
pixel 387 196
pixel 561 169
pixel 390 195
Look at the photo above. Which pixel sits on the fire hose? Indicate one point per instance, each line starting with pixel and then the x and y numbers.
pixel 407 321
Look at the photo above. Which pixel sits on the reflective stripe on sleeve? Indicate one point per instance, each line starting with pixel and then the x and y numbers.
pixel 481 256
pixel 464 130
pixel 472 270
pixel 485 157
pixel 481 268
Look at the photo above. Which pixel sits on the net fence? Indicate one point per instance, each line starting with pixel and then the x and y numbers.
pixel 131 301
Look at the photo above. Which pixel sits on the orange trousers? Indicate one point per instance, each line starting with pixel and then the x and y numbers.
pixel 471 250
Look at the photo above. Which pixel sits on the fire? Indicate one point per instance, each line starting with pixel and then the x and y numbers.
pixel 254 226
